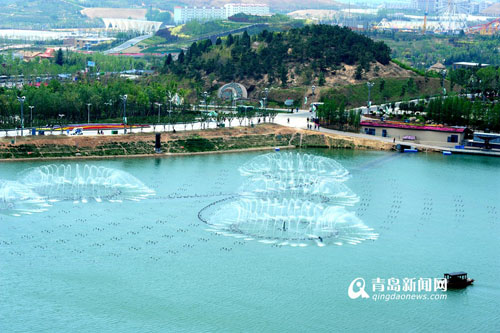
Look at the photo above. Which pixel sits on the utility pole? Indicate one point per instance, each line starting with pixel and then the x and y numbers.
pixel 21 100
pixel 159 111
pixel 31 115
pixel 124 100
pixel 110 103
pixel 369 85
pixel 88 112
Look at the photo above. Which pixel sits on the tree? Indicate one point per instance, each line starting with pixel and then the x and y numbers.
pixel 229 40
pixel 283 76
pixel 321 79
pixel 168 60
pixel 381 87
pixel 358 75
pixel 59 57
pixel 180 58
pixel 245 39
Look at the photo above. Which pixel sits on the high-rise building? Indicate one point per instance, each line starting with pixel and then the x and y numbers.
pixel 186 14
pixel 250 9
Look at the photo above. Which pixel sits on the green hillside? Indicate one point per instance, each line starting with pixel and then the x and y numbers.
pixel 277 56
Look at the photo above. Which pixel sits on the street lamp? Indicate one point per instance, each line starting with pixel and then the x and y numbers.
pixel 124 100
pixel 369 85
pixel 88 112
pixel 31 115
pixel 205 97
pixel 266 92
pixel 61 115
pixel 159 110
pixel 109 104
pixel 21 100
pixel 443 73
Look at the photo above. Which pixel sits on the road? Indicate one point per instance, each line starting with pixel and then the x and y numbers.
pixel 127 44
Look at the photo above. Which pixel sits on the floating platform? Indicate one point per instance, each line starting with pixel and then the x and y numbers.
pixel 410 150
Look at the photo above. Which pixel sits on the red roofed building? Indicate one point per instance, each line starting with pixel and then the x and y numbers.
pixel 425 134
pixel 49 53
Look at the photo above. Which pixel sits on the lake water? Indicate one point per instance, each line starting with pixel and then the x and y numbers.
pixel 141 245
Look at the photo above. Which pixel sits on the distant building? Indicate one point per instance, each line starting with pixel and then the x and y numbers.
pixel 85 42
pixel 400 5
pixel 493 10
pixel 428 6
pixel 464 64
pixel 424 134
pixel 250 9
pixel 437 67
pixel 186 14
pixel 434 6
pixel 132 25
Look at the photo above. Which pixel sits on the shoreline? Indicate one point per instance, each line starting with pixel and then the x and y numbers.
pixel 160 155
pixel 264 137
pixel 212 141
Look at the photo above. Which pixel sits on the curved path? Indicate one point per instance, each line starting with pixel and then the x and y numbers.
pixel 127 44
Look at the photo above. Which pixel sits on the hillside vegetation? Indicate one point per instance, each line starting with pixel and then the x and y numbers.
pixel 308 52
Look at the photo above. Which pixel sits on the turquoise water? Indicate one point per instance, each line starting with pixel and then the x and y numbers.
pixel 153 265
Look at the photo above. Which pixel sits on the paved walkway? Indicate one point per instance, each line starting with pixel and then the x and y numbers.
pixel 295 120
pixel 299 120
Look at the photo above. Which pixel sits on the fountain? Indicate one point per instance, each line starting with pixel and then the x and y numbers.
pixel 17 199
pixel 84 182
pixel 290 199
pixel 294 168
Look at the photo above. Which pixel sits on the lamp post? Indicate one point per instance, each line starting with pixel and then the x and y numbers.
pixel 205 97
pixel 88 112
pixel 31 115
pixel 124 100
pixel 159 111
pixel 266 92
pixel 443 73
pixel 369 85
pixel 109 104
pixel 21 100
pixel 61 115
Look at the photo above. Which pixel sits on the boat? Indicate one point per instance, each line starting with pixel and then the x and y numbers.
pixel 457 280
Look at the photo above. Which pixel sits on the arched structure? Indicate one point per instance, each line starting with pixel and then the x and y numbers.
pixel 132 25
pixel 232 90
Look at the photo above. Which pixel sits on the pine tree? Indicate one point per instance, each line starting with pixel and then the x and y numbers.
pixel 283 76
pixel 358 75
pixel 381 87
pixel 168 60
pixel 180 58
pixel 60 57
pixel 245 39
pixel 321 79
pixel 229 40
